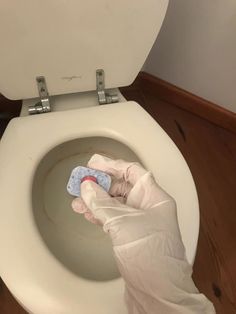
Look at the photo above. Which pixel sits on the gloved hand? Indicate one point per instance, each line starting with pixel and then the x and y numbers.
pixel 142 221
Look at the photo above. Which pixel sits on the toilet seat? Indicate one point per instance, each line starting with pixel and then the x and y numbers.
pixel 51 288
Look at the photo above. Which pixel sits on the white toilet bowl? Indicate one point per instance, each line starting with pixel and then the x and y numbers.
pixel 52 260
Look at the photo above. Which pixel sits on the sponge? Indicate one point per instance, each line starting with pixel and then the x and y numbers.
pixel 81 174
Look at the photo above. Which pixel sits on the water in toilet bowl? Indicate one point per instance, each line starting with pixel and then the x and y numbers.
pixel 80 246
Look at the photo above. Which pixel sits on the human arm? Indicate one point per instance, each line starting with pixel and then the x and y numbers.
pixel 147 243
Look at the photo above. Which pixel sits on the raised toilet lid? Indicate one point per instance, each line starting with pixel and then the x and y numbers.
pixel 67 41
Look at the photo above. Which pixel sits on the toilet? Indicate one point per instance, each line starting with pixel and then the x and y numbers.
pixel 66 60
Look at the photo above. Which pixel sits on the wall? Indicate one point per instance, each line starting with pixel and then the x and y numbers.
pixel 196 49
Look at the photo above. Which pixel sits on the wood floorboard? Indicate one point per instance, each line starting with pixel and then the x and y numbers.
pixel 210 152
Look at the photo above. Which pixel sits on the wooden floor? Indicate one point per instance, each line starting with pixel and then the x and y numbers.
pixel 210 152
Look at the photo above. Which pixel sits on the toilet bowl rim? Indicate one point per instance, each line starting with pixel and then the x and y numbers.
pixel 133 111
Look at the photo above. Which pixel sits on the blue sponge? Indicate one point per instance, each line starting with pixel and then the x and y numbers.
pixel 80 174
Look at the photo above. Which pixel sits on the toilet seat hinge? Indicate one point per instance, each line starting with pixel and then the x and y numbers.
pixel 103 97
pixel 43 105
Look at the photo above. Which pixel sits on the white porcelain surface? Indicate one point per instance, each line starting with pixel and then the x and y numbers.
pixel 67 41
pixel 82 247
pixel 30 265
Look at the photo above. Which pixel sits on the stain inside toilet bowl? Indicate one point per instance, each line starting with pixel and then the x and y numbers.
pixel 80 246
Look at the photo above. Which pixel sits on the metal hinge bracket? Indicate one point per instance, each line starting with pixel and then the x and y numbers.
pixel 103 97
pixel 43 105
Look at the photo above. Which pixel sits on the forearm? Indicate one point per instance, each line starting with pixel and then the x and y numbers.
pixel 161 283
pixel 146 240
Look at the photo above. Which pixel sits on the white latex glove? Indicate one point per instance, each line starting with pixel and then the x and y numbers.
pixel 146 239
